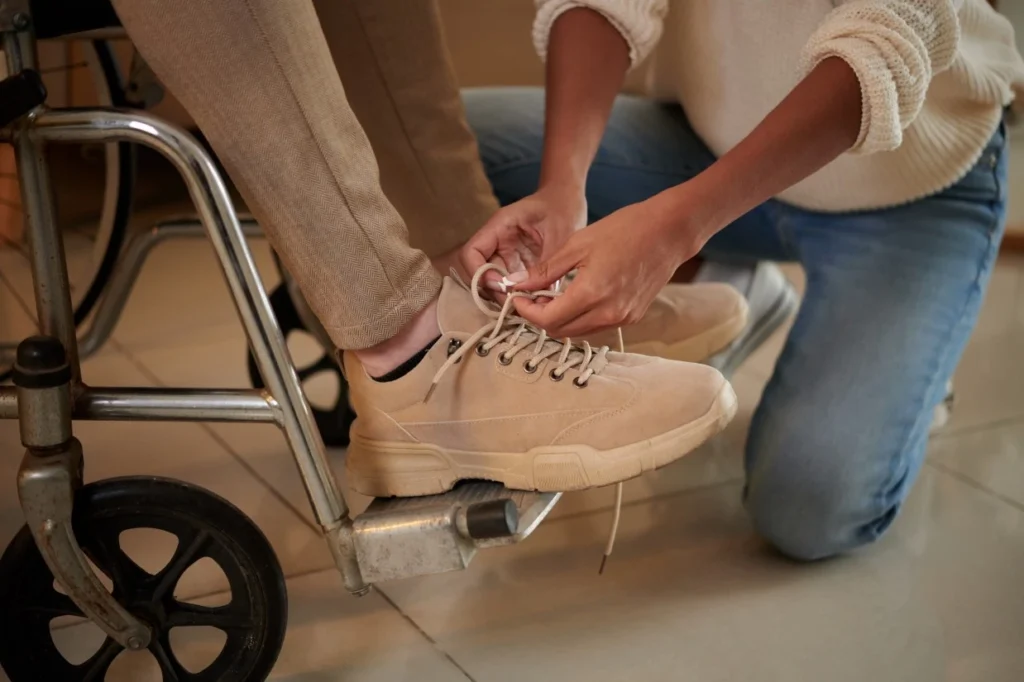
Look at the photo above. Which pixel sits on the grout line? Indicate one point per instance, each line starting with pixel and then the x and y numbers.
pixel 423 632
pixel 583 513
pixel 944 434
pixel 980 487
pixel 220 441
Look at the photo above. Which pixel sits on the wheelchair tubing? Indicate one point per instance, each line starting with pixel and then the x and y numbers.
pixel 125 188
pixel 126 169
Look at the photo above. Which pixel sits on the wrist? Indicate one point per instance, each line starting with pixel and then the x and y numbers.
pixel 700 207
pixel 562 184
pixel 678 217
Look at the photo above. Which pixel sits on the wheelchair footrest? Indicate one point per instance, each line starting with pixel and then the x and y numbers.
pixel 405 537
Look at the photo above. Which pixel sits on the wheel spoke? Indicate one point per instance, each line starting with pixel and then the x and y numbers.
pixel 190 549
pixel 325 363
pixel 127 576
pixel 224 618
pixel 173 670
pixel 97 666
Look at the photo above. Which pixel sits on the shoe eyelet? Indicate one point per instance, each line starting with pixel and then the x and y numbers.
pixel 555 376
pixel 504 359
pixel 528 369
pixel 580 384
pixel 481 351
pixel 453 346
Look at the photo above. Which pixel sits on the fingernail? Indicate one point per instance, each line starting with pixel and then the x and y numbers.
pixel 517 277
pixel 494 286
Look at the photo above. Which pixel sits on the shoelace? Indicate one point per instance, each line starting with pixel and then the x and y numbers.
pixel 520 335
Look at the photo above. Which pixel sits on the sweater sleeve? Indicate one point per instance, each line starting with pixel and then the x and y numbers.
pixel 895 47
pixel 639 22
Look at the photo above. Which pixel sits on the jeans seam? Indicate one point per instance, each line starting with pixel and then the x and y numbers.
pixel 972 292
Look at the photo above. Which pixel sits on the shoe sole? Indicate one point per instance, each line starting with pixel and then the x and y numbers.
pixel 393 469
pixel 729 360
pixel 697 348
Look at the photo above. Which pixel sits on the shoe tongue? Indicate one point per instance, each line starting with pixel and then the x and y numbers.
pixel 456 311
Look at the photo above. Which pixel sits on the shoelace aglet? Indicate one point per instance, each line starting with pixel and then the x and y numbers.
pixel 430 391
pixel 614 529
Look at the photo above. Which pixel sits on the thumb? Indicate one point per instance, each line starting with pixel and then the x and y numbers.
pixel 544 274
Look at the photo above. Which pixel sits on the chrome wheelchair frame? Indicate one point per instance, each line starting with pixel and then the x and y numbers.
pixel 392 539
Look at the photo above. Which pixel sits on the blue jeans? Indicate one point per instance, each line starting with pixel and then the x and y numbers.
pixel 892 296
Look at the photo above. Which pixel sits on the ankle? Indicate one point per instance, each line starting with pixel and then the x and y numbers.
pixel 447 262
pixel 420 332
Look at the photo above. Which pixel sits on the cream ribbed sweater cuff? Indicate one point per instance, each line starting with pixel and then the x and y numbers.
pixel 639 22
pixel 895 47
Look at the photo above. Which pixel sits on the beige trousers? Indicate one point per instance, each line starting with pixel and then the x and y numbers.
pixel 259 79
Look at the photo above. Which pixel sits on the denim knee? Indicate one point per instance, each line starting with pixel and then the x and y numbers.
pixel 813 507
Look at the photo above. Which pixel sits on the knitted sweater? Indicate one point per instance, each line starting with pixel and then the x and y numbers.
pixel 935 76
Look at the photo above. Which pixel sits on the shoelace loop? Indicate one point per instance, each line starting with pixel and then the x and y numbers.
pixel 520 335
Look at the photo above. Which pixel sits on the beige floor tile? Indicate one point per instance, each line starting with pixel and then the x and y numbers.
pixel 691 595
pixel 992 458
pixel 181 291
pixel 989 382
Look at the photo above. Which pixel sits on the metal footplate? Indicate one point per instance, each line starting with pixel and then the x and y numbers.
pixel 405 537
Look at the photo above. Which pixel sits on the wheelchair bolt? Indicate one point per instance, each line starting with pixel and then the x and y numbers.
pixel 21 21
pixel 134 643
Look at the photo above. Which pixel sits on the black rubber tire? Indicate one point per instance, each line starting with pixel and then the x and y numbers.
pixel 107 508
pixel 333 423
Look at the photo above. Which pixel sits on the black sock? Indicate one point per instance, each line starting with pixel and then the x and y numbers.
pixel 407 366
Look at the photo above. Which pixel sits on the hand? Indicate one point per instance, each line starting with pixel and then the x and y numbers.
pixel 525 233
pixel 622 262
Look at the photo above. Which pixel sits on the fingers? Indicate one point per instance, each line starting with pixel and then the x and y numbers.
pixel 542 275
pixel 479 250
pixel 555 314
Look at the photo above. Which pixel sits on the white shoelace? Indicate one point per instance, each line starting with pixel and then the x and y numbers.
pixel 520 335
pixel 509 328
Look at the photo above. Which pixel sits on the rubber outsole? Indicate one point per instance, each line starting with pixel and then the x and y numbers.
pixel 394 469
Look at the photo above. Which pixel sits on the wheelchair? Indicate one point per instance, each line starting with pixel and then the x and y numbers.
pixel 46 572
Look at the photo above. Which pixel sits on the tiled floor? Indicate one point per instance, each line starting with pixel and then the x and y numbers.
pixel 690 594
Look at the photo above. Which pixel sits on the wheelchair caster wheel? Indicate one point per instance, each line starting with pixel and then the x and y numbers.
pixel 333 421
pixel 206 526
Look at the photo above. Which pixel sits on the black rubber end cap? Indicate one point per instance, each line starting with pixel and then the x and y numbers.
pixel 493 519
pixel 41 362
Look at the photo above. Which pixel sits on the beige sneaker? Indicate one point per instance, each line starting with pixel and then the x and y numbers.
pixel 687 322
pixel 496 399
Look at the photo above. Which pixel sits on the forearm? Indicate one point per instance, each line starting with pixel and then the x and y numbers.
pixel 586 66
pixel 818 121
